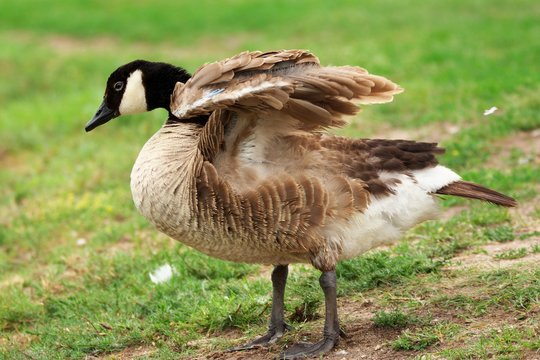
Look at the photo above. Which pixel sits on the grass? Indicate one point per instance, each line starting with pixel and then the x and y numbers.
pixel 394 319
pixel 504 343
pixel 427 336
pixel 501 233
pixel 61 297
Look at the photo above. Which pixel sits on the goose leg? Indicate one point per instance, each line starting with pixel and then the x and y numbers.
pixel 331 324
pixel 277 326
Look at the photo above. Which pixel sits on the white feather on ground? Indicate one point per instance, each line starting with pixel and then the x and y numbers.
pixel 162 274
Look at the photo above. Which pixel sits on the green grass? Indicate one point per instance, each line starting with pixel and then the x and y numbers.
pixel 59 185
pixel 394 319
pixel 501 233
pixel 505 343
pixel 427 336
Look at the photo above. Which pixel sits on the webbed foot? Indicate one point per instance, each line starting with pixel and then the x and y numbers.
pixel 267 339
pixel 307 350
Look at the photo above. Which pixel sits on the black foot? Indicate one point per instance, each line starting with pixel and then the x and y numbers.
pixel 266 340
pixel 307 350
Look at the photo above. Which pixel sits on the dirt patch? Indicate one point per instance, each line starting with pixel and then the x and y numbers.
pixel 135 352
pixel 487 258
pixel 20 340
pixel 526 142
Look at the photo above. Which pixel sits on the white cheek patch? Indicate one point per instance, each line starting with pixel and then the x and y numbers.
pixel 134 99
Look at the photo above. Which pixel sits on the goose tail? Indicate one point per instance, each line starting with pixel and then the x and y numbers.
pixel 474 191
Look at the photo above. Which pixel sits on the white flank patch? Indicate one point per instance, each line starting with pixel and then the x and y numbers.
pixel 388 217
pixel 134 99
pixel 81 242
pixel 162 274
pixel 490 111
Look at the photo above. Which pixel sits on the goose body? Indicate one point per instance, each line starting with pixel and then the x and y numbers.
pixel 281 213
pixel 244 170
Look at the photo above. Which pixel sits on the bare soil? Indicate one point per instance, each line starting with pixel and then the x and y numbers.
pixel 134 352
pixel 484 257
pixel 526 142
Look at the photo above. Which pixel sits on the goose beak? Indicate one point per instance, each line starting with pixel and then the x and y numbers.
pixel 103 115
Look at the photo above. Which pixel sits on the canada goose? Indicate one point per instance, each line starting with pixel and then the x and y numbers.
pixel 243 169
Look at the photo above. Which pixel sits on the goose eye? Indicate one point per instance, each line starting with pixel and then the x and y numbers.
pixel 119 85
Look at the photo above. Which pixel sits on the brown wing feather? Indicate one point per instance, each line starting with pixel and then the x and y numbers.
pixel 290 82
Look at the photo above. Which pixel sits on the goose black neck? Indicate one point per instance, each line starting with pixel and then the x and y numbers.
pixel 159 82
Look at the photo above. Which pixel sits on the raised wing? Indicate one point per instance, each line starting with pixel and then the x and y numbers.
pixel 290 81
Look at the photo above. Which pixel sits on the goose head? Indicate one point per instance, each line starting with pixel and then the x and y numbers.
pixel 137 87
